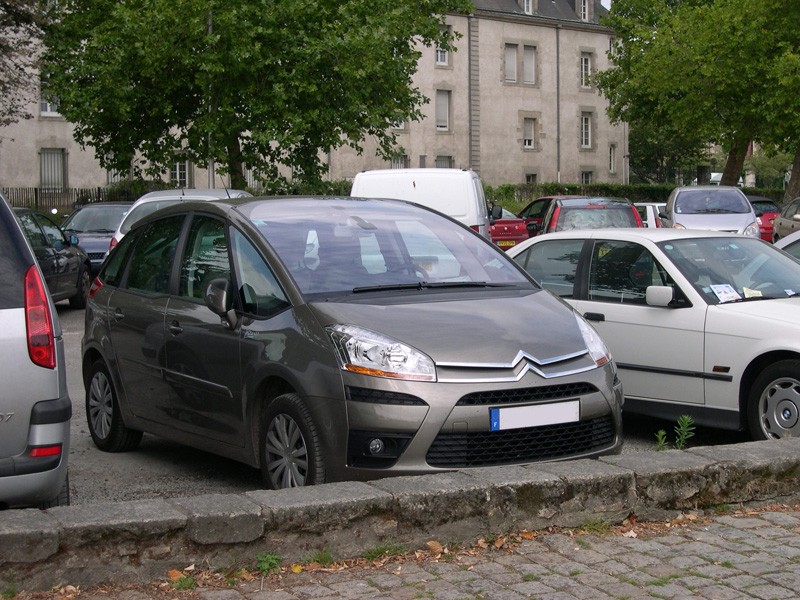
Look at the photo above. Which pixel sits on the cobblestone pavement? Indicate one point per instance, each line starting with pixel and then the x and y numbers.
pixel 747 554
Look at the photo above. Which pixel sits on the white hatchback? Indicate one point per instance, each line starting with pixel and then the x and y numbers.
pixel 700 323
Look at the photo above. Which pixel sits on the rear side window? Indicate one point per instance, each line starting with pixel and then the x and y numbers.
pixel 114 267
pixel 151 259
pixel 553 264
pixel 14 260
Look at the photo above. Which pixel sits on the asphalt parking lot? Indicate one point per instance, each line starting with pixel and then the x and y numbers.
pixel 163 469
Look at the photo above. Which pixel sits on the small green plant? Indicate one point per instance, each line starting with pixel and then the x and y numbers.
pixel 575 572
pixel 595 524
pixel 185 582
pixel 268 562
pixel 322 557
pixel 684 429
pixel 530 577
pixel 383 550
pixel 722 509
pixel 9 592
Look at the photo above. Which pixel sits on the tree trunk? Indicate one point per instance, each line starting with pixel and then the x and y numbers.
pixel 235 166
pixel 735 162
pixel 793 189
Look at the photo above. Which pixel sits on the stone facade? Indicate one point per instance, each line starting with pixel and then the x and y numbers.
pixel 515 102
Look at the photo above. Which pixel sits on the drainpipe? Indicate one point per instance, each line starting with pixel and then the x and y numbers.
pixel 558 103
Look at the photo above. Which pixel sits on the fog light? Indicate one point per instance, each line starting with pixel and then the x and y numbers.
pixel 376 446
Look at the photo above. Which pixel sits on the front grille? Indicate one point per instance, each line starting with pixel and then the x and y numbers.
pixel 529 444
pixel 358 394
pixel 96 255
pixel 534 394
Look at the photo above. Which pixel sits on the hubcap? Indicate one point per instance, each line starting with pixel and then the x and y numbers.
pixel 286 453
pixel 101 405
pixel 780 408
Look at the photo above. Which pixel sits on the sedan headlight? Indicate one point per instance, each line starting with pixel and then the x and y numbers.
pixel 597 347
pixel 752 230
pixel 369 353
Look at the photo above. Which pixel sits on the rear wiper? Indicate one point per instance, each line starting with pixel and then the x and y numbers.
pixel 421 285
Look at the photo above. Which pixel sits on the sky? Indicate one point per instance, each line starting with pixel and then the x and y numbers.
pixel 606 3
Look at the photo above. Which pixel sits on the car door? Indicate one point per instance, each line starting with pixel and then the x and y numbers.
pixel 534 212
pixel 136 312
pixel 45 253
pixel 67 258
pixel 787 222
pixel 203 366
pixel 658 350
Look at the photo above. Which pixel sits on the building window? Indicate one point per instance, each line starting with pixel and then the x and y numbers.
pixel 586 69
pixel 583 10
pixel 48 105
pixel 442 110
pixel 612 158
pixel 444 162
pixel 527 7
pixel 52 169
pixel 442 55
pixel 400 161
pixel 529 133
pixel 531 178
pixel 586 177
pixel 586 130
pixel 423 159
pixel 511 63
pixel 180 175
pixel 529 64
pixel 399 125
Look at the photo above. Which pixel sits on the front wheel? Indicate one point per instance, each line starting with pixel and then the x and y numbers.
pixel 103 413
pixel 84 282
pixel 289 445
pixel 773 408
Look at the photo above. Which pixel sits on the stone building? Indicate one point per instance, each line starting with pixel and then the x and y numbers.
pixel 515 102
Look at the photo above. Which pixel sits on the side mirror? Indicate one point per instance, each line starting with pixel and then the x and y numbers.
pixel 533 227
pixel 218 298
pixel 659 295
pixel 497 211
pixel 73 240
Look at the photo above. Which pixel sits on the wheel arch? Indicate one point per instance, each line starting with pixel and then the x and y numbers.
pixel 263 395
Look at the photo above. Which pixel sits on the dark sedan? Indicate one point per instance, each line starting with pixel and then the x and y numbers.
pixel 64 264
pixel 94 224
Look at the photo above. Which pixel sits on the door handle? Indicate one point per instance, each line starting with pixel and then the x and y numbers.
pixel 175 328
pixel 118 314
pixel 593 316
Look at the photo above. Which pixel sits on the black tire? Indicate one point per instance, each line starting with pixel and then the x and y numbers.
pixel 289 445
pixel 84 281
pixel 62 499
pixel 103 415
pixel 773 407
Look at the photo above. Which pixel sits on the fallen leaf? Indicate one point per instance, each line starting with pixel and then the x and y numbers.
pixel 435 547
pixel 526 535
pixel 174 574
pixel 297 568
pixel 630 534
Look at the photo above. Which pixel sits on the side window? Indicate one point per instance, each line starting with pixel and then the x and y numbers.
pixel 258 289
pixel 32 231
pixel 205 257
pixel 553 264
pixel 114 266
pixel 622 271
pixel 54 235
pixel 151 260
pixel 535 209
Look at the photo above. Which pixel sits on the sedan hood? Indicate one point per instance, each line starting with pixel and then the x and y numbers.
pixel 733 222
pixel 778 314
pixel 452 328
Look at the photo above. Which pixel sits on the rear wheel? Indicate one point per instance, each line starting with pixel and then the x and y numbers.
pixel 84 281
pixel 773 409
pixel 290 447
pixel 102 412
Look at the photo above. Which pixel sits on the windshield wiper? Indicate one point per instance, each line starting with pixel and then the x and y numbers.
pixel 422 285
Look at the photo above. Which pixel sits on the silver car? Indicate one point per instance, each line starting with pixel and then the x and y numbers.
pixel 711 207
pixel 35 409
pixel 325 339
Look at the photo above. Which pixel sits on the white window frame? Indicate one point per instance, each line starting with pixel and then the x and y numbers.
pixel 529 133
pixel 401 161
pixel 529 65
pixel 531 178
pixel 442 110
pixel 510 63
pixel 586 69
pixel 586 130
pixel 612 158
pixel 444 162
pixel 583 10
pixel 527 7
pixel 586 177
pixel 181 173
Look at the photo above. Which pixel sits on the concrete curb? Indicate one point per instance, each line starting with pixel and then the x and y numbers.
pixel 141 540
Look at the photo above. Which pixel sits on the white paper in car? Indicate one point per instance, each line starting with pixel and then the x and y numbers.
pixel 748 293
pixel 725 292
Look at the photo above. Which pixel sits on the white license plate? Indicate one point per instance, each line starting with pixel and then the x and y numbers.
pixel 516 417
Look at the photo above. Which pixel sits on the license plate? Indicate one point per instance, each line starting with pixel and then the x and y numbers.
pixel 506 243
pixel 516 417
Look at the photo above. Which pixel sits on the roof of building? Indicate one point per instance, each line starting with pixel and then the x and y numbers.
pixel 560 10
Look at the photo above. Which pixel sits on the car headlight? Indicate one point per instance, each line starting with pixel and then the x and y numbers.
pixel 678 226
pixel 369 353
pixel 597 347
pixel 752 230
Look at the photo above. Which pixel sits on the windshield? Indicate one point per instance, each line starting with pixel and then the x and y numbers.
pixel 96 219
pixel 734 269
pixel 698 202
pixel 357 247
pixel 595 217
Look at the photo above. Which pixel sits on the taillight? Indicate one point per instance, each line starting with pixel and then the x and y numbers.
pixel 112 243
pixel 39 321
pixel 95 287
pixel 42 451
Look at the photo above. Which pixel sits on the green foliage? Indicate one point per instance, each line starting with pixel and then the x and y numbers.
pixel 684 430
pixel 661 440
pixel 384 550
pixel 322 557
pixel 185 582
pixel 251 84
pixel 596 525
pixel 268 562
pixel 9 592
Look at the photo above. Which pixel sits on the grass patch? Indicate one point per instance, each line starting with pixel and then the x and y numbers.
pixel 185 582
pixel 267 562
pixel 322 557
pixel 384 550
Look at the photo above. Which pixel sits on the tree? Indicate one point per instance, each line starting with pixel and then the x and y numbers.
pixel 265 85
pixel 20 36
pixel 704 66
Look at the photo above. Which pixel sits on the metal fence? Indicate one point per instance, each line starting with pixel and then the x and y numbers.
pixel 64 200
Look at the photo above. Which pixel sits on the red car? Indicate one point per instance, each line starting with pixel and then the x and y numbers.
pixel 766 211
pixel 589 213
pixel 508 230
pixel 534 212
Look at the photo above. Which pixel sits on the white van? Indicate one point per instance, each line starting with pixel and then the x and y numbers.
pixel 457 193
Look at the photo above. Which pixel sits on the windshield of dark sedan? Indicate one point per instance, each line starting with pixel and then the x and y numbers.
pixel 337 246
pixel 697 202
pixel 96 218
pixel 733 269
